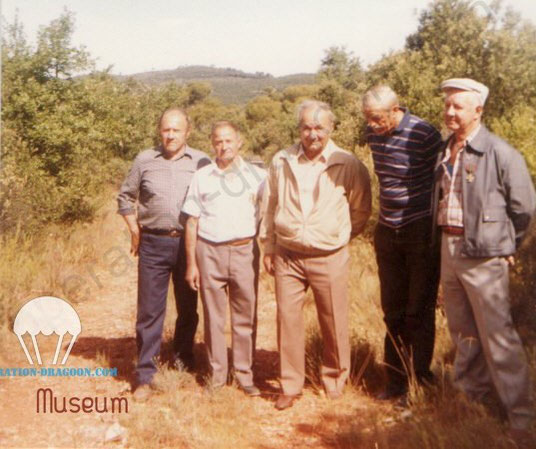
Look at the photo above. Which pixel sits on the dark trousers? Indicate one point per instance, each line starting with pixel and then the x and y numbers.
pixel 159 258
pixel 409 276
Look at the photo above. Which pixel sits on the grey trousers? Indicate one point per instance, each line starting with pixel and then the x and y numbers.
pixel 228 271
pixel 489 352
pixel 328 278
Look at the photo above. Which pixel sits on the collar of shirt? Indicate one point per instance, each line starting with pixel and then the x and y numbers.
pixel 403 123
pixel 468 140
pixel 236 166
pixel 470 137
pixel 160 153
pixel 324 156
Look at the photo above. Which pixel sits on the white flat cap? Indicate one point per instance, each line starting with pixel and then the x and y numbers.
pixel 467 84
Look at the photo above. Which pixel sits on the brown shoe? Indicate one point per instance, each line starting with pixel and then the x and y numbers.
pixel 285 401
pixel 250 390
pixel 142 393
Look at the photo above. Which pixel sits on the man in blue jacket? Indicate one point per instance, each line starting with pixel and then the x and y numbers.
pixel 486 200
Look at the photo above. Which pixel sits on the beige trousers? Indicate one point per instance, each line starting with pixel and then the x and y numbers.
pixel 228 271
pixel 489 353
pixel 327 275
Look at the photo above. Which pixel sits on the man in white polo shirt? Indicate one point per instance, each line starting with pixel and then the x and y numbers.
pixel 222 255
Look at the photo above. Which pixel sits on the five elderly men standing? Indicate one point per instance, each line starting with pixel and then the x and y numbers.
pixel 316 198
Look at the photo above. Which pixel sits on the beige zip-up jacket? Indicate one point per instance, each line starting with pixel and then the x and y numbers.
pixel 342 203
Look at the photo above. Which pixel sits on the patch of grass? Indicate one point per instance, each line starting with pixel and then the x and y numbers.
pixel 61 261
pixel 185 416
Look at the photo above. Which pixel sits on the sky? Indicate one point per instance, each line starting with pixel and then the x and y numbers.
pixel 280 37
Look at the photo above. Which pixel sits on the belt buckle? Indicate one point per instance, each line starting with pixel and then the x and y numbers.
pixel 174 233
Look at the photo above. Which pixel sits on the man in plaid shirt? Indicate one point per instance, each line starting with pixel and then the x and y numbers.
pixel 150 201
pixel 486 202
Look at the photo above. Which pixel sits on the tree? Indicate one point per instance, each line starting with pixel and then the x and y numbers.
pixel 343 67
pixel 57 58
pixel 462 38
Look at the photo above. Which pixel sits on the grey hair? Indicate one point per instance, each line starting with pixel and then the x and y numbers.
pixel 310 104
pixel 381 95
pixel 475 95
pixel 224 124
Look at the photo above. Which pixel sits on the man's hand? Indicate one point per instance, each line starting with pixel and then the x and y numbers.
pixel 268 262
pixel 134 229
pixel 510 260
pixel 134 241
pixel 192 276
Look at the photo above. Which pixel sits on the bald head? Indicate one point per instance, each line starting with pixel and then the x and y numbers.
pixel 174 110
pixel 174 129
pixel 381 109
pixel 380 97
pixel 318 107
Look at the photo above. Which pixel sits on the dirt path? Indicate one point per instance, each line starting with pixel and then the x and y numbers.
pixel 105 315
pixel 107 339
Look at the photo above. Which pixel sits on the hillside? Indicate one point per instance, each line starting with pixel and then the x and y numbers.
pixel 229 85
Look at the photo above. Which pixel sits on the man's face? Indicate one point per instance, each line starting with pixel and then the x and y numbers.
pixel 315 129
pixel 380 120
pixel 174 132
pixel 226 143
pixel 462 111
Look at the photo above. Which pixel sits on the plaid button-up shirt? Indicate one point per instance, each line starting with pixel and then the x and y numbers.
pixel 158 186
pixel 450 210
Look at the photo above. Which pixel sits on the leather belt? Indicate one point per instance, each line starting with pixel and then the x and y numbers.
pixel 238 242
pixel 452 230
pixel 163 232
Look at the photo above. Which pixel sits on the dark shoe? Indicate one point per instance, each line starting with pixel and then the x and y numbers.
pixel 391 393
pixel 142 393
pixel 521 437
pixel 145 391
pixel 285 401
pixel 427 379
pixel 183 365
pixel 402 401
pixel 250 390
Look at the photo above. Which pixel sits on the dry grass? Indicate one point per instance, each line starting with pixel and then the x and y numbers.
pixel 185 416
pixel 61 261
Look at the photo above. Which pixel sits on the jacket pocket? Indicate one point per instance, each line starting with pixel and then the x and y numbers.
pixel 495 214
pixel 496 230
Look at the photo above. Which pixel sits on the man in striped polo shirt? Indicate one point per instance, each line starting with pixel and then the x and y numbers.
pixel 404 148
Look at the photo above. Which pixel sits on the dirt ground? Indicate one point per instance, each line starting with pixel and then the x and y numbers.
pixel 107 316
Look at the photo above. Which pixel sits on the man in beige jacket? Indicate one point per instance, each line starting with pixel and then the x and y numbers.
pixel 317 198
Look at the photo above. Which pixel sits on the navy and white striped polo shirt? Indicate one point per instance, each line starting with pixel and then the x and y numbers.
pixel 404 163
